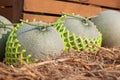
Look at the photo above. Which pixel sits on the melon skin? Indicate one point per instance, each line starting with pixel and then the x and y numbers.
pixel 35 43
pixel 73 40
pixel 4 33
pixel 77 26
pixel 108 23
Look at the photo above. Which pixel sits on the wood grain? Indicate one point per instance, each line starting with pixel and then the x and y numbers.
pixel 105 3
pixel 6 2
pixel 7 12
pixel 56 7
pixel 11 9
pixel 44 18
pixel 17 10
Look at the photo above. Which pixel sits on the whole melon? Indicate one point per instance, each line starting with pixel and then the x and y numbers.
pixel 108 23
pixel 4 33
pixel 33 43
pixel 78 32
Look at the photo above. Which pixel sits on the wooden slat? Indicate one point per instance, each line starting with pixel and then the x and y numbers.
pixel 17 10
pixel 56 7
pixel 6 2
pixel 106 3
pixel 11 9
pixel 44 18
pixel 7 12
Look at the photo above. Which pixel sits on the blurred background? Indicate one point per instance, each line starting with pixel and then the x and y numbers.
pixel 50 10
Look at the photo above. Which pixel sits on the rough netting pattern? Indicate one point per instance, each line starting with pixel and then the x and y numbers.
pixel 4 33
pixel 13 54
pixel 76 42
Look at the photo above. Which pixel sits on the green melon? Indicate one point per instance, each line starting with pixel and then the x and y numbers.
pixel 108 23
pixel 78 33
pixel 4 33
pixel 32 43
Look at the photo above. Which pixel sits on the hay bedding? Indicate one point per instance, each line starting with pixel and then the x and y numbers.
pixel 101 65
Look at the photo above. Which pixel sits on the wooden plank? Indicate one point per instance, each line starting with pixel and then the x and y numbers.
pixel 106 3
pixel 17 10
pixel 7 12
pixel 11 9
pixel 6 3
pixel 56 7
pixel 44 18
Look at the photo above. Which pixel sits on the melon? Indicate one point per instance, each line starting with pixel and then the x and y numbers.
pixel 78 33
pixel 4 33
pixel 81 27
pixel 108 23
pixel 33 42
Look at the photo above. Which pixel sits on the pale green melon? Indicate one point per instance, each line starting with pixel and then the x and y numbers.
pixel 4 33
pixel 80 27
pixel 78 33
pixel 108 23
pixel 32 43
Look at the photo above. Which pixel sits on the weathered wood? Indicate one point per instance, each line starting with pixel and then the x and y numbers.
pixel 17 10
pixel 7 12
pixel 43 18
pixel 6 3
pixel 56 7
pixel 105 3
pixel 11 9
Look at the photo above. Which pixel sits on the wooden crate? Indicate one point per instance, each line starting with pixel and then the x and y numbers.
pixel 11 9
pixel 50 10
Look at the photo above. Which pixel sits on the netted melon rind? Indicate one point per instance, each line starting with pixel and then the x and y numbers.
pixel 5 30
pixel 76 42
pixel 13 54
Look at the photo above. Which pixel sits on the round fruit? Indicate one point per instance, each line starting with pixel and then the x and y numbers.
pixel 108 23
pixel 81 27
pixel 31 43
pixel 78 33
pixel 4 33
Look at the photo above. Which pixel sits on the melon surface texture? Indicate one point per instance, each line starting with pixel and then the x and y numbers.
pixel 108 23
pixel 78 33
pixel 32 43
pixel 4 33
